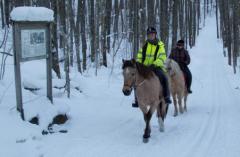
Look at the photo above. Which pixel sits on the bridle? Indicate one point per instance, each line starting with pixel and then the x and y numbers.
pixel 134 84
pixel 169 70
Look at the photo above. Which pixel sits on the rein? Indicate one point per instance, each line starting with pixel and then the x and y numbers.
pixel 172 74
pixel 135 85
pixel 140 84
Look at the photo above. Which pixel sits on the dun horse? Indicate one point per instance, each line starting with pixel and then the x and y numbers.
pixel 148 92
pixel 177 85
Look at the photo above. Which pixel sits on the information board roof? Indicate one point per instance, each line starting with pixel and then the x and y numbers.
pixel 32 14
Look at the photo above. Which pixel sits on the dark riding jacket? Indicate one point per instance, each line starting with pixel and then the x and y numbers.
pixel 181 56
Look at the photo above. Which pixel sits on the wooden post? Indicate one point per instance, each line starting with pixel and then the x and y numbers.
pixel 16 44
pixel 49 64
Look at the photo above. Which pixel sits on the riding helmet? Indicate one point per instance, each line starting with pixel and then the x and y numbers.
pixel 151 30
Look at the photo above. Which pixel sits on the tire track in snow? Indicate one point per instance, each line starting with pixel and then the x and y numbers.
pixel 207 65
pixel 205 134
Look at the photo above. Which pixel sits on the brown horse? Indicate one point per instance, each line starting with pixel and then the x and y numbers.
pixel 177 85
pixel 148 92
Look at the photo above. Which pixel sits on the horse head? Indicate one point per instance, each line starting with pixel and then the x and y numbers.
pixel 169 65
pixel 129 75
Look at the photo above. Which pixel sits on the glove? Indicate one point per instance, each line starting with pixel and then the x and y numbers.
pixel 152 67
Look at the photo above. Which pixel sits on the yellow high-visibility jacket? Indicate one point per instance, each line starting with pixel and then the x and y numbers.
pixel 150 52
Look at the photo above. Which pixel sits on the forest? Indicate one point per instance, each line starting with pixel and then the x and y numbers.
pixel 90 33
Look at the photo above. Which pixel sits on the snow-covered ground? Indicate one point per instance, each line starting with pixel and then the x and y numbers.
pixel 103 123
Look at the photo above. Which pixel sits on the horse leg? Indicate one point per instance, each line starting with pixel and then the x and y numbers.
pixel 175 105
pixel 161 115
pixel 180 103
pixel 147 131
pixel 185 102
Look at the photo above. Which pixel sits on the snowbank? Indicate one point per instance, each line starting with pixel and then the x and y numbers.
pixel 42 108
pixel 32 14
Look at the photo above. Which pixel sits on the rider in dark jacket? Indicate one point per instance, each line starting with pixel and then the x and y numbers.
pixel 181 56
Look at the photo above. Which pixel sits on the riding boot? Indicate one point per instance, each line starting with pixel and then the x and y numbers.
pixel 188 80
pixel 168 100
pixel 189 91
pixel 166 94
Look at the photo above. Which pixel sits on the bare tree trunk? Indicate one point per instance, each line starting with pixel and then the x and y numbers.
pixel 135 29
pixel 130 19
pixel 142 22
pixel 77 36
pixel 92 30
pixel 198 16
pixel 104 34
pixel 175 22
pixel 72 25
pixel 116 19
pixel 18 3
pixel 204 11
pixel 55 60
pixel 186 23
pixel 164 22
pixel 2 14
pixel 229 35
pixel 83 30
pixel 217 23
pixel 108 25
pixel 181 19
pixel 190 24
pixel 151 15
pixel 236 9
pixel 67 46
pixel 7 12
pixel 194 23
pixel 42 3
pixel 62 14
pixel 99 20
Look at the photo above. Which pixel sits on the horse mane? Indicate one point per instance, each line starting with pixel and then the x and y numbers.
pixel 143 70
pixel 174 65
pixel 128 63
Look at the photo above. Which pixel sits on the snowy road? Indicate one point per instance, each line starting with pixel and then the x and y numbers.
pixel 103 123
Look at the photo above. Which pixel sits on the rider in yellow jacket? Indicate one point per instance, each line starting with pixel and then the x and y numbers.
pixel 150 54
pixel 153 54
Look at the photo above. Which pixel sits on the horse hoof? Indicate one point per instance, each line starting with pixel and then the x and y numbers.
pixel 161 125
pixel 161 129
pixel 146 135
pixel 175 115
pixel 145 140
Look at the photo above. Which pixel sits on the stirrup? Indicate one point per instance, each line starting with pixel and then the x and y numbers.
pixel 135 104
pixel 168 100
pixel 189 91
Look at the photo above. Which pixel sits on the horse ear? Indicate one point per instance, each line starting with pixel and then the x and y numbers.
pixel 133 61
